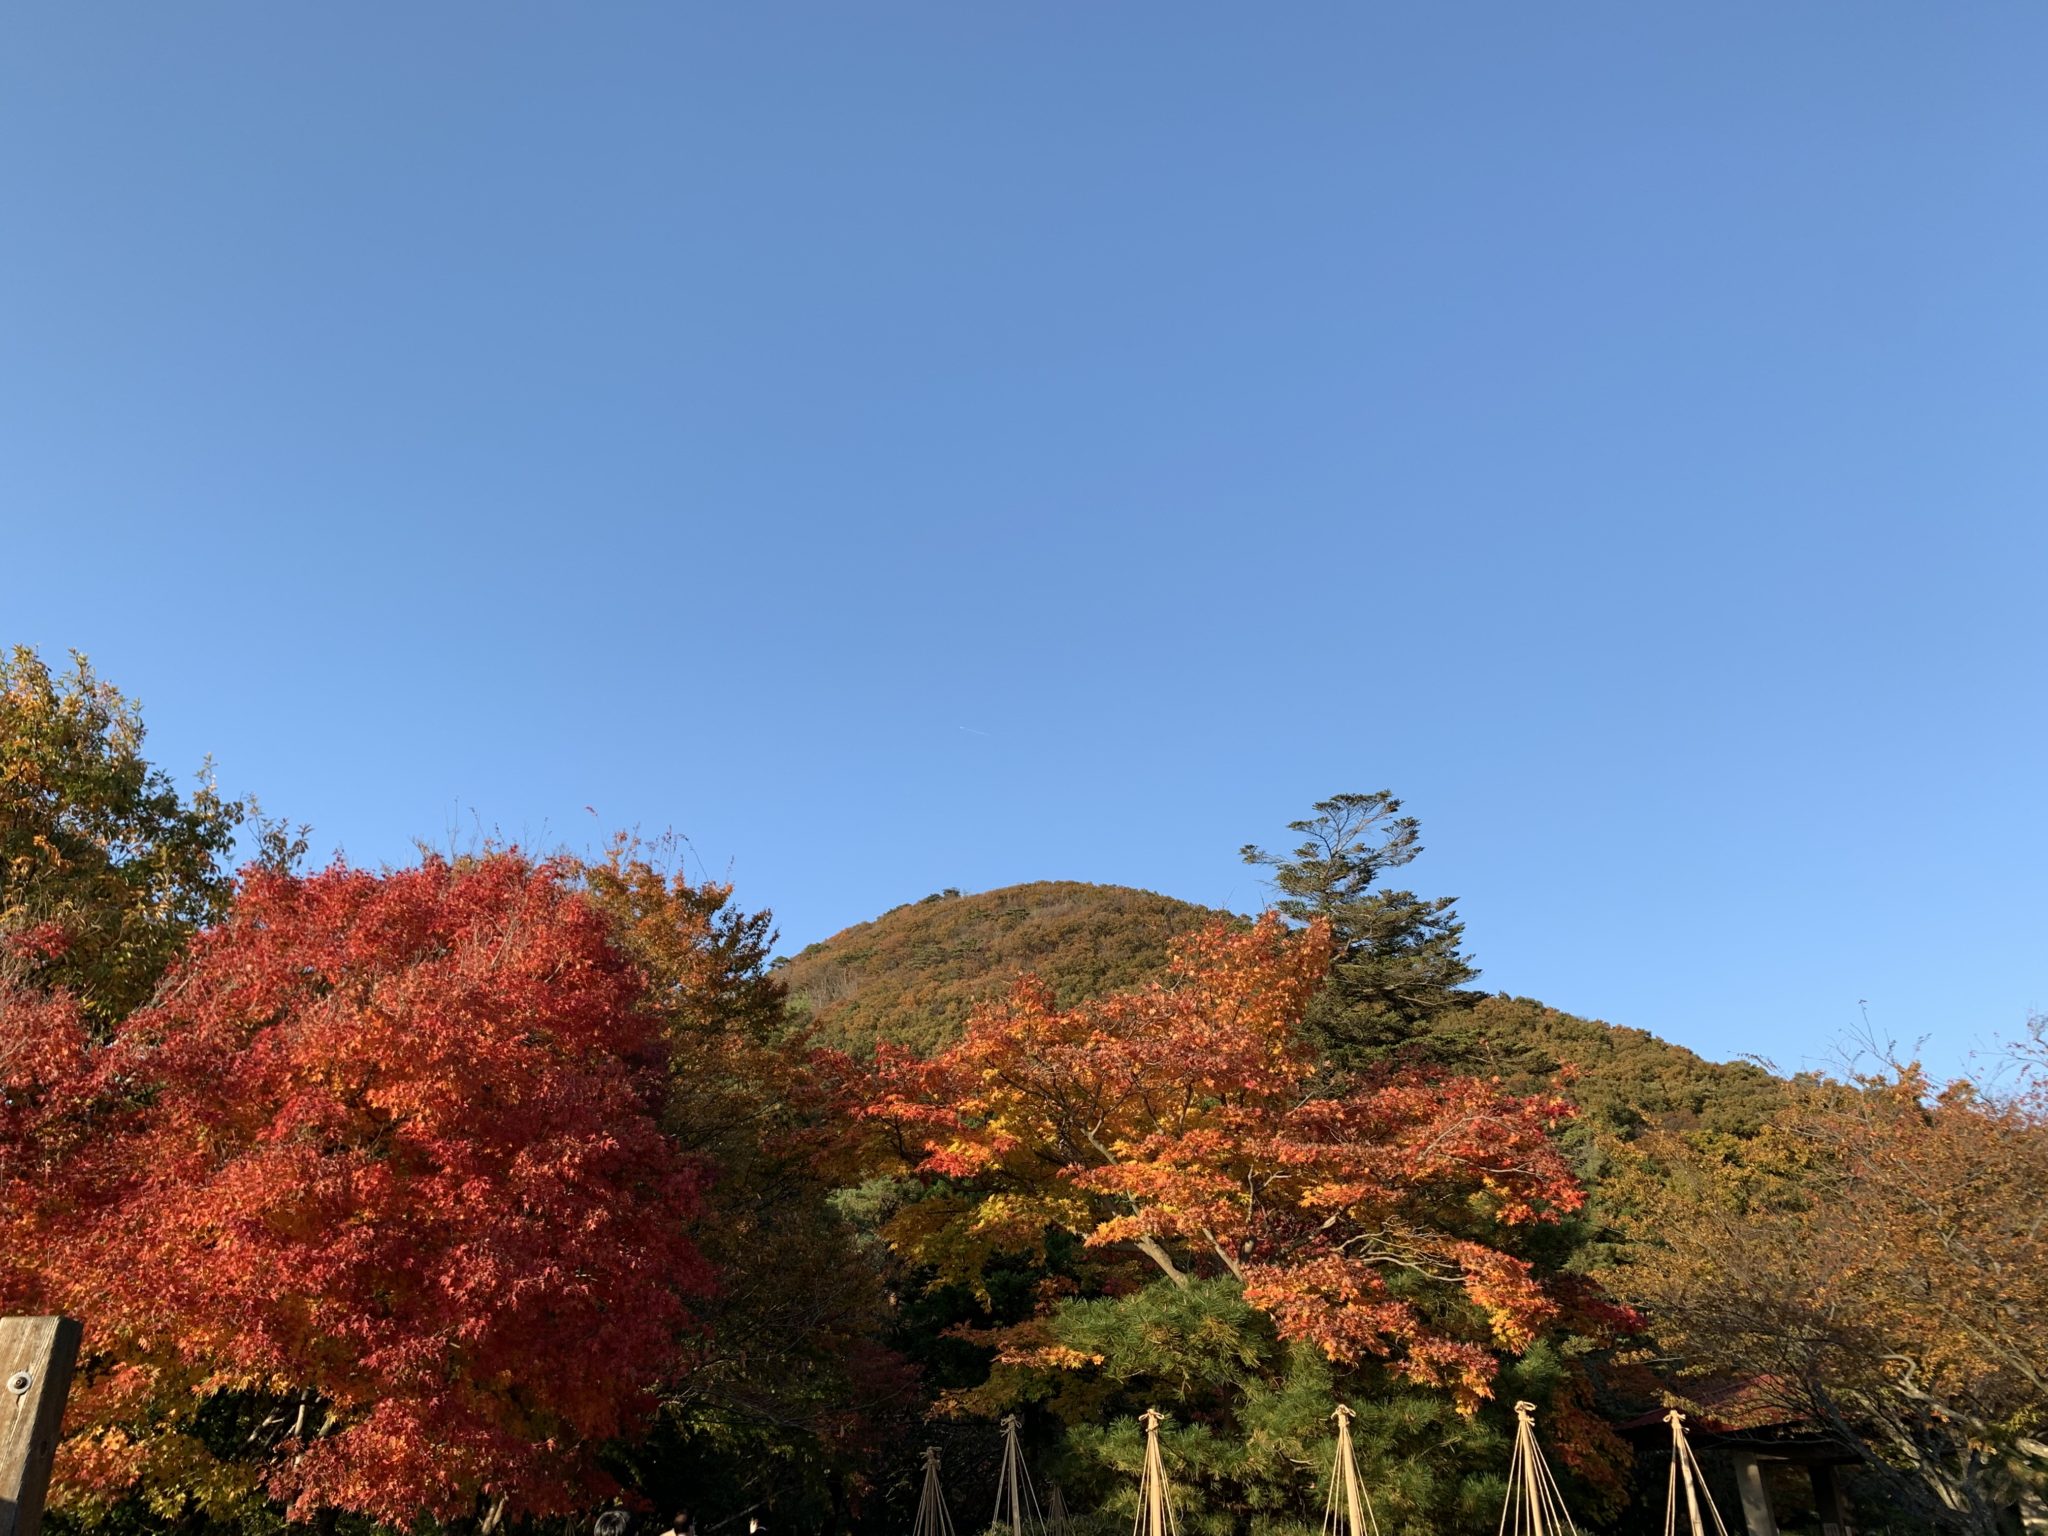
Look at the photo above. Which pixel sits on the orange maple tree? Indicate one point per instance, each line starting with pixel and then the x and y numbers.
pixel 378 1181
pixel 1189 1121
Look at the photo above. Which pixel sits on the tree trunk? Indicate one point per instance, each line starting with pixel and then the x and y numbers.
pixel 1149 1246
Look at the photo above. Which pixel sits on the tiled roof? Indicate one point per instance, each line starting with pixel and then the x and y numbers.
pixel 1728 1406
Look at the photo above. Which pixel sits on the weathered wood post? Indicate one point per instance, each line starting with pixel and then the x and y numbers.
pixel 1757 1513
pixel 36 1356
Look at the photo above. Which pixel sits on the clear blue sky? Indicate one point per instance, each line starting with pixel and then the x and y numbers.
pixel 911 445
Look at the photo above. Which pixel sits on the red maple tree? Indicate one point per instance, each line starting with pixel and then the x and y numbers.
pixel 379 1177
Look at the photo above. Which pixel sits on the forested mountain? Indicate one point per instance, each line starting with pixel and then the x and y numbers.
pixel 912 976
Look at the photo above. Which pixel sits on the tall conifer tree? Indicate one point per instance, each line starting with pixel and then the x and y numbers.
pixel 1400 957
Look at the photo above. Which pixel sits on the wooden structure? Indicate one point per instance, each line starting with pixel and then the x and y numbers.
pixel 1744 1431
pixel 1534 1507
pixel 1155 1499
pixel 36 1357
pixel 1685 1472
pixel 1349 1511
pixel 933 1518
pixel 1016 1503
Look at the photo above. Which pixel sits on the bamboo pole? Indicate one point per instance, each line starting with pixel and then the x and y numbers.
pixel 1155 1499
pixel 1685 1471
pixel 1016 1501
pixel 1349 1511
pixel 1534 1506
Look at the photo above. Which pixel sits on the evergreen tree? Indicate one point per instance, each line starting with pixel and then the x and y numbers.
pixel 1247 1434
pixel 1400 959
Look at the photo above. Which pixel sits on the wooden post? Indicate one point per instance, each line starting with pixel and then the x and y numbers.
pixel 1534 1505
pixel 36 1356
pixel 1685 1468
pixel 1756 1496
pixel 1827 1499
pixel 1349 1512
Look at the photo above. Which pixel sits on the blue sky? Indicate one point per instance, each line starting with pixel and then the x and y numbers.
pixel 911 445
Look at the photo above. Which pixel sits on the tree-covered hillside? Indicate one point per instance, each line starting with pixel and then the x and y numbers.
pixel 364 1137
pixel 1624 1080
pixel 913 975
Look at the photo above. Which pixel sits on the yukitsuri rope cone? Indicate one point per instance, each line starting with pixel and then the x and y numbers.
pixel 1685 1468
pixel 1057 1521
pixel 933 1519
pixel 1155 1499
pixel 1534 1506
pixel 1349 1512
pixel 1016 1505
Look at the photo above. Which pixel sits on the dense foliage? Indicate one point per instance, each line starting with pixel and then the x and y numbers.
pixel 787 1386
pixel 912 977
pixel 1183 1120
pixel 480 1191
pixel 371 1210
pixel 1877 1261
pixel 1372 1231
pixel 105 869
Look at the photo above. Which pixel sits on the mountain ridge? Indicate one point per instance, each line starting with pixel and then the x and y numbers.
pixel 913 974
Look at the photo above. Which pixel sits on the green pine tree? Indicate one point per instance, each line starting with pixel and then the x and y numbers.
pixel 1247 1435
pixel 1400 957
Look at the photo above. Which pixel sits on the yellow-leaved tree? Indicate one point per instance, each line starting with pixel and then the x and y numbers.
pixel 1877 1260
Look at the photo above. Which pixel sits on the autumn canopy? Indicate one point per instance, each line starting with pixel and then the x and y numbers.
pixel 383 1162
pixel 488 1190
pixel 1187 1122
